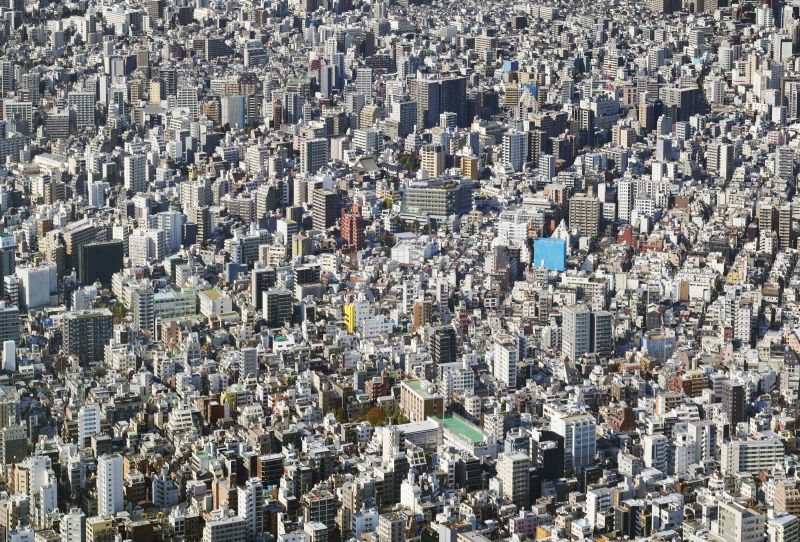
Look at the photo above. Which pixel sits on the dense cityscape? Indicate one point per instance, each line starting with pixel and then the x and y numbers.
pixel 389 270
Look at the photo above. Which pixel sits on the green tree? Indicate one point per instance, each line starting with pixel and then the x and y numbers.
pixel 341 415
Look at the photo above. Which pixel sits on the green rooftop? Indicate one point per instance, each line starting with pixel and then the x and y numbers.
pixel 462 427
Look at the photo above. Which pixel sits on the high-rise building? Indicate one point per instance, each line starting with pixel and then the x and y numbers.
pixel 250 507
pixel 785 226
pixel 656 449
pixel 737 523
pixel 513 471
pixel 515 146
pixel 504 359
pixel 277 306
pixel 86 333
pixel 109 484
pixel 783 528
pixel 234 112
pixel 752 455
pixel 432 159
pixel 261 280
pixel 82 105
pixel 392 527
pixel 601 334
pixel 142 307
pixel 584 215
pixel 100 529
pixel 135 172
pixel 733 401
pixel 580 437
pixel 73 526
pixel 88 423
pixel 76 234
pixel 8 248
pixel 314 154
pixel 576 331
pixel 626 197
pixel 222 528
pixel 443 344
pixel 324 209
pixel 420 400
pixel 436 96
pixel 99 261
pixel 9 322
pixel 353 228
pixel 319 505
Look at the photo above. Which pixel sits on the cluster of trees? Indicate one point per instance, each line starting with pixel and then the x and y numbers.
pixel 377 416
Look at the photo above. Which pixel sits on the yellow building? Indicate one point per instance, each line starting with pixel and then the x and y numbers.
pixel 350 317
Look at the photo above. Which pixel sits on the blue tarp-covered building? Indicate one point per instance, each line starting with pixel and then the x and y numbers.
pixel 550 253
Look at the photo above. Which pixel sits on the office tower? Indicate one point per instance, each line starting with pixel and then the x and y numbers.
pixel 584 215
pixel 234 112
pixel 109 484
pixel 250 504
pixel 99 261
pixel 601 335
pixel 135 173
pixel 513 471
pixel 656 449
pixel 88 423
pixel 171 222
pixel 73 526
pixel 364 81
pixel 8 249
pixel 432 159
pixel 733 401
pixel 324 209
pixel 405 114
pixel 353 228
pixel 9 322
pixel 187 98
pixel 82 105
pixel 504 360
pixel 580 437
pixel 682 103
pixel 392 527
pixel 86 333
pixel 261 280
pixel 314 154
pixel 442 344
pixel 514 149
pixel 277 306
pixel 436 96
pixel 576 331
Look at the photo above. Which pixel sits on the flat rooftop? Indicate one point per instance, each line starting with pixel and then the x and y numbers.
pixel 461 427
